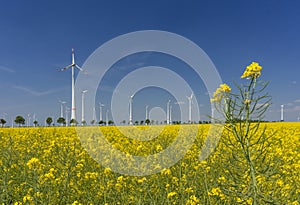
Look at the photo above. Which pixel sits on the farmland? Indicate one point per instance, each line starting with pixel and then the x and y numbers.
pixel 50 166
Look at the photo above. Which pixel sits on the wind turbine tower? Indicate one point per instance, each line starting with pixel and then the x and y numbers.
pixel 94 114
pixel 106 121
pixel 67 115
pixel 72 66
pixel 146 112
pixel 130 109
pixel 168 112
pixel 190 107
pixel 100 115
pixel 82 107
pixel 282 116
pixel 62 108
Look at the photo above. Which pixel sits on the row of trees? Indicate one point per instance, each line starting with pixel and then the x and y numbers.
pixel 19 120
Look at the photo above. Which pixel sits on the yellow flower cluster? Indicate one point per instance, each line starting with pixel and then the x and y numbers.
pixel 171 194
pixel 34 164
pixel 220 92
pixel 252 71
pixel 217 192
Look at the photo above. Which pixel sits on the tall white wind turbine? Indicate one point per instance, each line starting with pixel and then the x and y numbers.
pixel 190 98
pixel 82 107
pixel 72 66
pixel 282 116
pixel 130 109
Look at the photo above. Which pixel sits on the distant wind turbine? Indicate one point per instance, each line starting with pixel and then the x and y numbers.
pixel 82 107
pixel 168 112
pixel 106 117
pixel 190 107
pixel 147 112
pixel 67 115
pixel 282 116
pixel 72 66
pixel 100 114
pixel 94 114
pixel 62 108
pixel 28 120
pixel 130 109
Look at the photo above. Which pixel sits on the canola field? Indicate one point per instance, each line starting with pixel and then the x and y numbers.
pixel 50 166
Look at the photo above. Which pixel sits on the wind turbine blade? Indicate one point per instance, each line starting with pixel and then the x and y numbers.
pixel 78 67
pixel 66 68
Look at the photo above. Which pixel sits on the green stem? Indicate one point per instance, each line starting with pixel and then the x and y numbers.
pixel 253 183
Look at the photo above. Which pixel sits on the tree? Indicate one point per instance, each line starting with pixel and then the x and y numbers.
pixel 136 122
pixel 147 121
pixel 101 122
pixel 110 122
pixel 93 122
pixel 20 120
pixel 73 122
pixel 84 123
pixel 2 122
pixel 61 121
pixel 141 122
pixel 35 123
pixel 49 120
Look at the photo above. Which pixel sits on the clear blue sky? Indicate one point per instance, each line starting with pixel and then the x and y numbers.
pixel 36 38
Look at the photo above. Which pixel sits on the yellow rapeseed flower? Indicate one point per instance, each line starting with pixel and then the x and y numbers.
pixel 252 71
pixel 247 101
pixel 76 203
pixel 171 194
pixel 141 180
pixel 225 88
pixel 27 199
pixel 220 92
pixel 193 200
pixel 33 163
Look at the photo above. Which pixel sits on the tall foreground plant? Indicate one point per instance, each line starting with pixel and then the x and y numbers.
pixel 243 140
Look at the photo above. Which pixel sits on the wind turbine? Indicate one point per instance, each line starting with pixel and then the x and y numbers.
pixel 100 117
pixel 62 108
pixel 282 117
pixel 94 114
pixel 72 66
pixel 106 117
pixel 34 119
pixel 146 112
pixel 67 115
pixel 130 109
pixel 28 120
pixel 82 107
pixel 170 114
pixel 190 107
pixel 168 111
